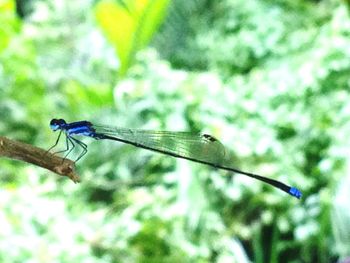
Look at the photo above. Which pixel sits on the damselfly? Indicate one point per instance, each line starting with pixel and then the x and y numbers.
pixel 200 148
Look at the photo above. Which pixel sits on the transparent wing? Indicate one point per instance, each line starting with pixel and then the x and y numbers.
pixel 199 147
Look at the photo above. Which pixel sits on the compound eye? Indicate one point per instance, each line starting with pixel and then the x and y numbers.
pixel 56 124
pixel 53 122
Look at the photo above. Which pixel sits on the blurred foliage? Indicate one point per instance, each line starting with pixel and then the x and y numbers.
pixel 269 78
pixel 129 25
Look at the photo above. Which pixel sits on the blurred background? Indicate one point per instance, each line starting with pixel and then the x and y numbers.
pixel 270 79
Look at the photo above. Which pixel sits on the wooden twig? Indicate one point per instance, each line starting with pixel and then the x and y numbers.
pixel 37 156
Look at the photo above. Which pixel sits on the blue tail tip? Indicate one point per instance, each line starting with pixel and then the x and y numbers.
pixel 295 192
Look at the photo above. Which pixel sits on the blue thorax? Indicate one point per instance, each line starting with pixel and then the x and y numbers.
pixel 78 128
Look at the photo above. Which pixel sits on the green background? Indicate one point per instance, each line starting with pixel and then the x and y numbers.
pixel 270 79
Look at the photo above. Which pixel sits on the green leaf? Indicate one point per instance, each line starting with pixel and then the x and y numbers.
pixel 8 21
pixel 130 26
